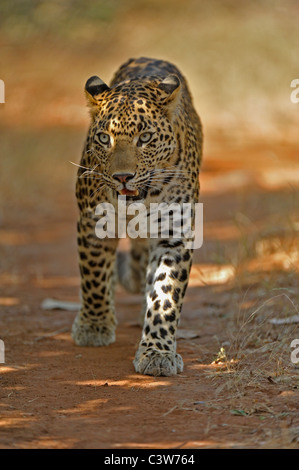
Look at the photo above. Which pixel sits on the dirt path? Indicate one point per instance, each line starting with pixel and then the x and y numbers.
pixel 239 386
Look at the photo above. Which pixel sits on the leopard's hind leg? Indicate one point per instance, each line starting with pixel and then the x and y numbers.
pixel 131 266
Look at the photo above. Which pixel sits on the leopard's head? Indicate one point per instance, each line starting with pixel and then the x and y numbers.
pixel 132 138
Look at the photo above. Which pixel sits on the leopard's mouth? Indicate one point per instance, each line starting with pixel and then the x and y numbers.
pixel 133 195
pixel 136 194
pixel 129 192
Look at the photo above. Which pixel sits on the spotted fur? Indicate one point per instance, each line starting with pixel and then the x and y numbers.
pixel 144 142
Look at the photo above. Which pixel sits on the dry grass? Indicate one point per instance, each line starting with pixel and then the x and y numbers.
pixel 239 58
pixel 258 354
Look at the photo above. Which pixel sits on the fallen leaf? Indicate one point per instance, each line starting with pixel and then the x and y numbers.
pixel 238 412
pixel 186 334
pixel 283 321
pixel 53 304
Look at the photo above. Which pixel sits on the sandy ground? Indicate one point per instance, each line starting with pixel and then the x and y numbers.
pixel 239 388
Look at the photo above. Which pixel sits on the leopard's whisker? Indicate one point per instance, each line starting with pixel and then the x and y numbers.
pixel 147 185
pixel 171 171
pixel 165 177
pixel 167 167
pixel 90 176
pixel 85 168
pixel 97 190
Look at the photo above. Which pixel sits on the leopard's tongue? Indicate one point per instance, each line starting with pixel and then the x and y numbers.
pixel 128 192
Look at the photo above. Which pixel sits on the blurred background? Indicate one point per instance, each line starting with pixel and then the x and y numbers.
pixel 239 58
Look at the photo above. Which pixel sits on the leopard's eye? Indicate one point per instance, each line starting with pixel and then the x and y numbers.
pixel 103 138
pixel 144 138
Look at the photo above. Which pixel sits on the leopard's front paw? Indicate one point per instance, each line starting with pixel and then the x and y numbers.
pixel 154 362
pixel 90 334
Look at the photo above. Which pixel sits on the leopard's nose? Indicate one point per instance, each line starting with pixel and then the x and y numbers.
pixel 123 177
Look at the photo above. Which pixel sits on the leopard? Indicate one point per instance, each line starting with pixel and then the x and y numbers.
pixel 144 144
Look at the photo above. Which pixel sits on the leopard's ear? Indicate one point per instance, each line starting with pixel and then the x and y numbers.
pixel 94 87
pixel 171 86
